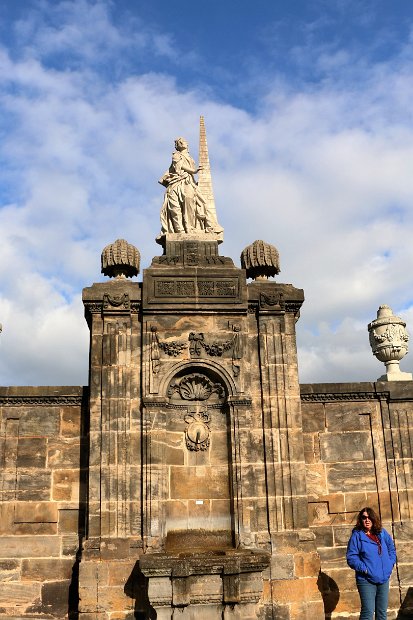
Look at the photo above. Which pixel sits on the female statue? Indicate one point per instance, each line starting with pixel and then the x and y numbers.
pixel 184 208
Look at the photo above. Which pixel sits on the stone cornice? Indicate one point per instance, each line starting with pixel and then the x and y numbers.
pixel 163 404
pixel 342 396
pixel 46 401
pixel 116 296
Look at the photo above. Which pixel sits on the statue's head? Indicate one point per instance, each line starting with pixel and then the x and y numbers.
pixel 181 144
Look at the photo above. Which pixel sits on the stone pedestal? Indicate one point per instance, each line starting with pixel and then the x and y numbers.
pixel 206 584
pixel 114 521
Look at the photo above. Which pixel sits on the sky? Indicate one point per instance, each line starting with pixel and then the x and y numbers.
pixel 308 110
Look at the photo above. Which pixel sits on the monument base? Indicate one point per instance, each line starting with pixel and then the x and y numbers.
pixel 195 235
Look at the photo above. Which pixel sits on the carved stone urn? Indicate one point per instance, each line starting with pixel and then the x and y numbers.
pixel 388 341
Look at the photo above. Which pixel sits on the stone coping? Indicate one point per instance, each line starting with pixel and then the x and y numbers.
pixel 363 390
pixel 66 395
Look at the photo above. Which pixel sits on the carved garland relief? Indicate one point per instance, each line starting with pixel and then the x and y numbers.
pixel 197 343
pixel 116 301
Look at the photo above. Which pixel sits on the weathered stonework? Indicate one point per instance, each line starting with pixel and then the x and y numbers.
pixel 357 440
pixel 194 478
pixel 216 489
pixel 42 499
pixel 186 478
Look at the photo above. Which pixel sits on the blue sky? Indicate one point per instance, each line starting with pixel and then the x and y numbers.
pixel 309 122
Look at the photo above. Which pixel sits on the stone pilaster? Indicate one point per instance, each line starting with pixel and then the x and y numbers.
pixel 114 490
pixel 114 466
pixel 295 562
pixel 282 423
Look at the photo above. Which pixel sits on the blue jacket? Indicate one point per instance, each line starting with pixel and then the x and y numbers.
pixel 363 557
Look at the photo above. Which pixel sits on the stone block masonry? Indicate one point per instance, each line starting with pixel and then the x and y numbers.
pixel 358 452
pixel 195 477
pixel 197 491
pixel 42 499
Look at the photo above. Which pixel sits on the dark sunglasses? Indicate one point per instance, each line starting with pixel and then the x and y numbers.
pixel 364 517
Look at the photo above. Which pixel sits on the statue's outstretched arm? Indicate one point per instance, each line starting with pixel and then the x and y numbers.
pixel 191 170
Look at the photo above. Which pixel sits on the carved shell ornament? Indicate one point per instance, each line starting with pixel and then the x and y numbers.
pixel 195 387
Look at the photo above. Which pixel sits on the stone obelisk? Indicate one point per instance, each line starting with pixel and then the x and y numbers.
pixel 204 177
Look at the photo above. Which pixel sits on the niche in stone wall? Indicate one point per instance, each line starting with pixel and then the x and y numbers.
pixel 198 510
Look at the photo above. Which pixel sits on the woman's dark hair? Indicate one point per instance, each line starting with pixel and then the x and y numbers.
pixel 374 517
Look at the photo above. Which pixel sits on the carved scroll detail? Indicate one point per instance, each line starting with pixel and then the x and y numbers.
pixel 275 301
pixel 236 351
pixel 155 355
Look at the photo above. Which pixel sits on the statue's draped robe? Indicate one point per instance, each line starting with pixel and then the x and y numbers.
pixel 184 207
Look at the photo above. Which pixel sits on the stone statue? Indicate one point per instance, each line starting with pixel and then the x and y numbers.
pixel 183 206
pixel 186 208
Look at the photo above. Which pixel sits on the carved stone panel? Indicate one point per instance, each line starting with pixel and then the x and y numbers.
pixel 197 286
pixel 185 287
pixel 197 432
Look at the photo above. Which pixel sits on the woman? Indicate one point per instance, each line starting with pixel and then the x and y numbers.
pixel 371 553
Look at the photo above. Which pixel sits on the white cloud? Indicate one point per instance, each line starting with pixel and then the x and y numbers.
pixel 323 174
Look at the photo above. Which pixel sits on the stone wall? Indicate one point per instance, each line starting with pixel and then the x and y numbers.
pixel 358 450
pixel 42 495
pixel 195 478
